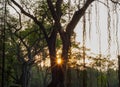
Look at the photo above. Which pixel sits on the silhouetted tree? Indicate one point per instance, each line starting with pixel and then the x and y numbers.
pixel 55 8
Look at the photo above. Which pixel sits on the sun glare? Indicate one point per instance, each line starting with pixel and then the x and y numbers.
pixel 59 61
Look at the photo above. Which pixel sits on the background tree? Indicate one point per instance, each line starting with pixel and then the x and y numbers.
pixel 27 45
pixel 2 33
pixel 21 47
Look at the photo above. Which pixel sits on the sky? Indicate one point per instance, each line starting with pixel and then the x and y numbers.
pixel 101 34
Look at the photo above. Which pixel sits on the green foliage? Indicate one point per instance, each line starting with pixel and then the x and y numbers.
pixel 31 35
pixel 58 43
pixel 12 65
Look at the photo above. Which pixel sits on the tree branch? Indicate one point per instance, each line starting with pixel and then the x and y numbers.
pixel 77 16
pixel 116 2
pixel 18 14
pixel 33 18
pixel 52 9
pixel 55 10
pixel 58 8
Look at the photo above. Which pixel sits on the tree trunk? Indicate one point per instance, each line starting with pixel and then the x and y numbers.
pixel 84 78
pixel 57 77
pixel 25 74
pixel 3 44
pixel 68 82
pixel 56 71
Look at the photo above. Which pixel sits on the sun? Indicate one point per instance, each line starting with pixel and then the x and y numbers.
pixel 59 61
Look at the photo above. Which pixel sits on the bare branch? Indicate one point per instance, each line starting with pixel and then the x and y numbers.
pixel 76 17
pixel 103 3
pixel 19 16
pixel 52 9
pixel 116 2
